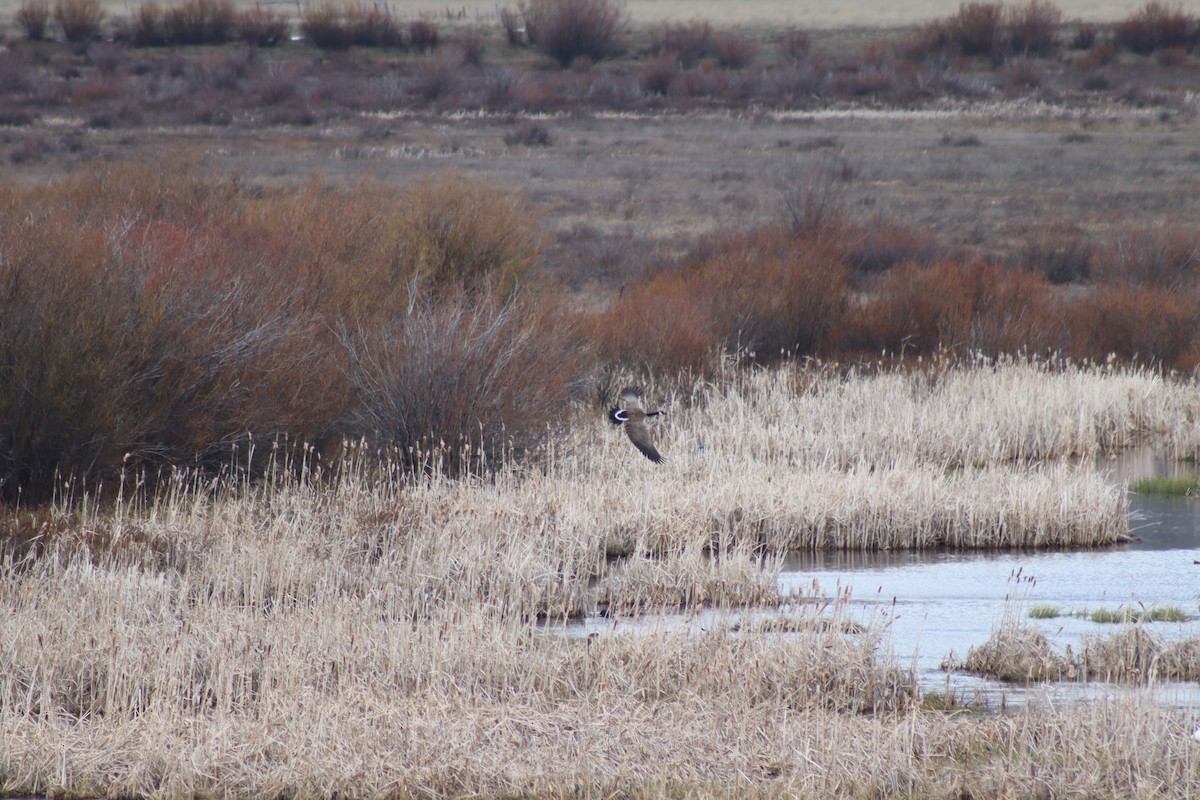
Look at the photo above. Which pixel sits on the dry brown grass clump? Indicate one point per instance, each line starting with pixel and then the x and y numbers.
pixel 1021 653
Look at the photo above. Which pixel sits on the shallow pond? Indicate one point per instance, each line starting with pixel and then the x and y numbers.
pixel 938 603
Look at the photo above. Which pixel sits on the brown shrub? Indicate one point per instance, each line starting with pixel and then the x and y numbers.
pixel 32 18
pixel 473 46
pixel 514 26
pixel 764 293
pixel 200 22
pixel 1033 27
pixel 437 75
pixel 951 306
pixel 1023 73
pixel 734 51
pixel 656 73
pixel 685 42
pixel 1165 256
pixel 1155 26
pixel 372 26
pixel 262 27
pixel 567 29
pixel 423 33
pixel 147 27
pixel 977 28
pixel 164 319
pixel 322 24
pixel 80 20
pixel 529 133
pixel 1085 36
pixel 462 380
pixel 162 341
pixel 795 44
pixel 656 327
pixel 1150 324
pixel 880 245
pixel 1060 251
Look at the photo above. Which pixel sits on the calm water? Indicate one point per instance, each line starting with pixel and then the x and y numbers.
pixel 936 604
pixel 940 603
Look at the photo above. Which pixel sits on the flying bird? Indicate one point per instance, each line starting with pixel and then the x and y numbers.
pixel 629 412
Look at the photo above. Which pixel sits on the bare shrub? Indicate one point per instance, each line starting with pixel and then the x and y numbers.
pixel 473 46
pixel 687 42
pixel 262 27
pixel 80 20
pixel 1032 28
pixel 1060 251
pixel 147 27
pixel 1085 36
pixel 954 307
pixel 1155 26
pixel 462 380
pixel 1164 255
pixel 529 133
pixel 514 26
pixel 1149 324
pixel 185 335
pixel 796 44
pixel 656 73
pixel 1023 73
pixel 734 51
pixel 438 75
pixel 423 34
pixel 32 18
pixel 200 22
pixel 567 29
pixel 372 25
pixel 977 28
pixel 322 24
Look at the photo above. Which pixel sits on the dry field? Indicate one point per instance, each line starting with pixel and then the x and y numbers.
pixel 366 634
pixel 218 588
pixel 808 13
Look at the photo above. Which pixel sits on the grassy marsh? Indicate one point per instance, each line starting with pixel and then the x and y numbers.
pixel 364 632
pixel 180 622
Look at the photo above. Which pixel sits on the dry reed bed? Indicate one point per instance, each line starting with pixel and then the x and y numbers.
pixel 372 636
pixel 1021 652
pixel 990 412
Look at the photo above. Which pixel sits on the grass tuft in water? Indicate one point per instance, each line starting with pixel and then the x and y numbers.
pixel 1125 615
pixel 1188 486
pixel 1044 612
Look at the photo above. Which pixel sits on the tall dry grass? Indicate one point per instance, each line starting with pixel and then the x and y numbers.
pixel 370 632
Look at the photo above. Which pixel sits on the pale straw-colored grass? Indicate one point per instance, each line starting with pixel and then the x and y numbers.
pixel 367 635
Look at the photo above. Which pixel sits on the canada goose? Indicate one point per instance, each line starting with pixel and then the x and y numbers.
pixel 629 412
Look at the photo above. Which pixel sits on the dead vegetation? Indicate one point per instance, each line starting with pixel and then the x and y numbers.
pixel 305 491
pixel 359 629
